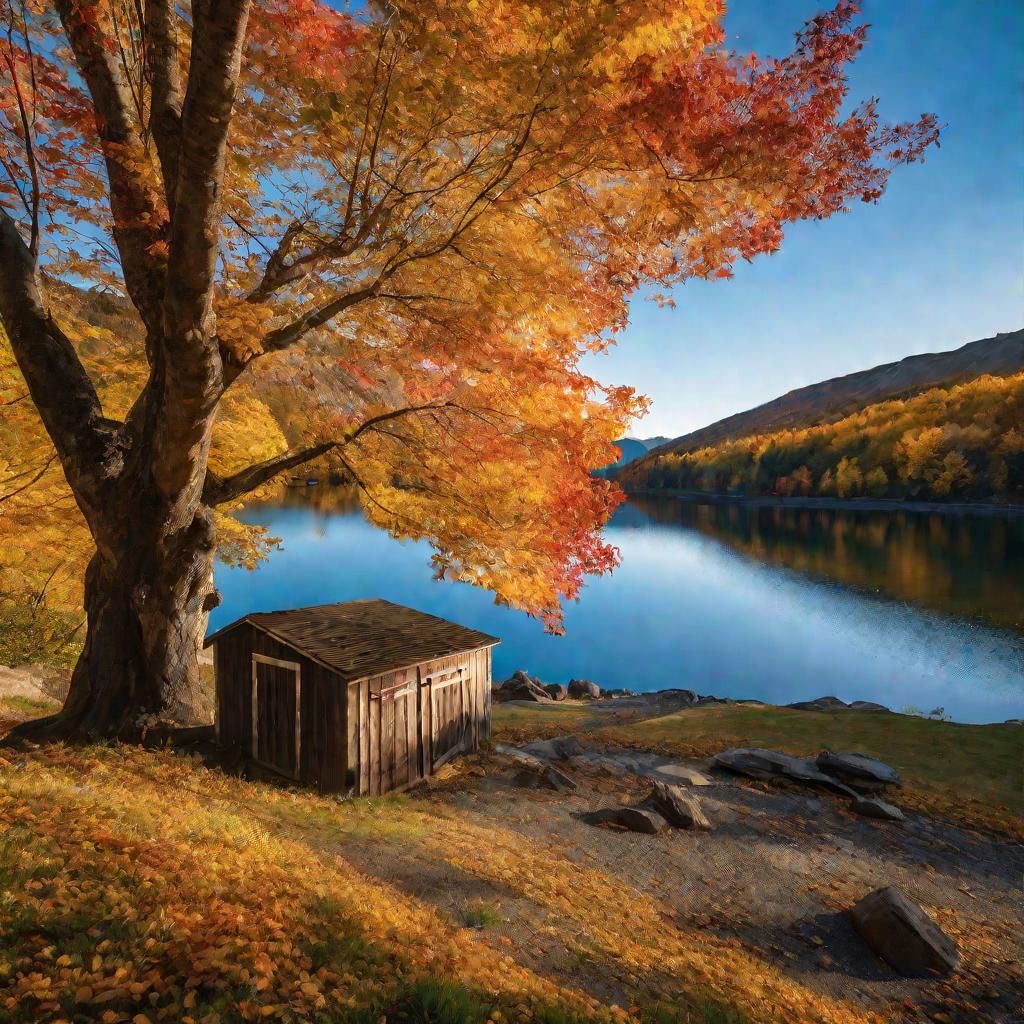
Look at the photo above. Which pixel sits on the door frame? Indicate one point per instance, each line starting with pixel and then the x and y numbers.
pixel 439 681
pixel 294 666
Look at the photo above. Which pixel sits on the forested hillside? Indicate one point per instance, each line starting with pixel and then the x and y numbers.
pixel 965 441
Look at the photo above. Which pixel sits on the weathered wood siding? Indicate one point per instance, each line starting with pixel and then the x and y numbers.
pixel 404 725
pixel 322 749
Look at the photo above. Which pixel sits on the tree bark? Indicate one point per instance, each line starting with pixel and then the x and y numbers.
pixel 138 673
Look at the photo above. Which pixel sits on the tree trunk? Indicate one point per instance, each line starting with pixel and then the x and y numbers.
pixel 146 602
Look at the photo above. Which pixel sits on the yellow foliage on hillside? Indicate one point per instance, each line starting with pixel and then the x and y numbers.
pixel 951 443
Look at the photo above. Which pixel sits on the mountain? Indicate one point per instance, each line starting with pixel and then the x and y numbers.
pixel 653 442
pixel 631 450
pixel 833 399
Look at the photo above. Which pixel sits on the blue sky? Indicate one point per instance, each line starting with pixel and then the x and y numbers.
pixel 939 261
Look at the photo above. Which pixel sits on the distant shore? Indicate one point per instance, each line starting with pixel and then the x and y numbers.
pixel 985 508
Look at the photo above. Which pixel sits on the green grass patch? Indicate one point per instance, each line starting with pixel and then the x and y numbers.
pixel 479 915
pixel 28 705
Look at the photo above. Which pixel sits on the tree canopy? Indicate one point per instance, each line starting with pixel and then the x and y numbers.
pixel 385 240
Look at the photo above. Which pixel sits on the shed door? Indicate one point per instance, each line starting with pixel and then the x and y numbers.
pixel 399 737
pixel 449 715
pixel 275 713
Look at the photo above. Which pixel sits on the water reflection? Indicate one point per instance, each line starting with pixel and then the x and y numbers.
pixel 969 566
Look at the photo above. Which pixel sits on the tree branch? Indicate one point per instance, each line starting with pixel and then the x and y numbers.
pixel 161 43
pixel 60 387
pixel 219 490
pixel 218 37
pixel 140 216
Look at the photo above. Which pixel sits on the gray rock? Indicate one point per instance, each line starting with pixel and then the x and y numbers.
pixel 635 819
pixel 759 763
pixel 677 696
pixel 584 689
pixel 546 777
pixel 858 769
pixel 820 704
pixel 556 691
pixel 903 935
pixel 558 748
pixel 681 774
pixel 872 807
pixel 521 686
pixel 678 809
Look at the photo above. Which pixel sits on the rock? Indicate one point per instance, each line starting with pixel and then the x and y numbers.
pixel 820 704
pixel 680 774
pixel 677 696
pixel 867 705
pixel 872 807
pixel 559 748
pixel 584 688
pixel 548 777
pixel 521 686
pixel 556 691
pixel 759 763
pixel 635 819
pixel 520 756
pixel 858 769
pixel 903 935
pixel 678 809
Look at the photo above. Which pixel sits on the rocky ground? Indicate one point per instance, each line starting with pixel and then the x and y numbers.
pixel 777 871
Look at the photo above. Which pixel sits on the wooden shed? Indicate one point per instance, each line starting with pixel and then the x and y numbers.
pixel 364 696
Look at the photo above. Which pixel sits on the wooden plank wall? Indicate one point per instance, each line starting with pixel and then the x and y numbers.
pixel 392 744
pixel 323 750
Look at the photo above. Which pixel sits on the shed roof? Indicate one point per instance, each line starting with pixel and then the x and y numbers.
pixel 364 638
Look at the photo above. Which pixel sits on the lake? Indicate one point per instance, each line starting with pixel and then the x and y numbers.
pixel 912 610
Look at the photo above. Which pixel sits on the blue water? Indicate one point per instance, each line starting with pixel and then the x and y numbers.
pixel 734 604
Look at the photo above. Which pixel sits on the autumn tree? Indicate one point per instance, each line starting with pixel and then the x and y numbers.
pixel 418 220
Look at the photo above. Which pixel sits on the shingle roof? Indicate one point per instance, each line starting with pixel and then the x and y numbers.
pixel 364 638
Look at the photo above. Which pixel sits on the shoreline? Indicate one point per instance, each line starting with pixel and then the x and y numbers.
pixel 833 504
pixel 524 690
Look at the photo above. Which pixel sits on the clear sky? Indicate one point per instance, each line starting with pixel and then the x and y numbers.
pixel 939 261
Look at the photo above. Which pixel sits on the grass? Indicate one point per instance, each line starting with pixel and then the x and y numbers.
pixel 479 915
pixel 28 706
pixel 141 886
pixel 971 773
pixel 518 723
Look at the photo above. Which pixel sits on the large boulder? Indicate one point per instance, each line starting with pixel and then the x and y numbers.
pixel 903 935
pixel 556 691
pixel 521 686
pixel 867 705
pixel 635 819
pixel 677 696
pixel 677 808
pixel 584 689
pixel 858 770
pixel 820 704
pixel 758 763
